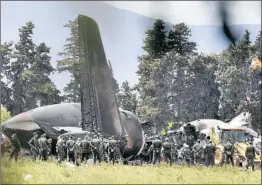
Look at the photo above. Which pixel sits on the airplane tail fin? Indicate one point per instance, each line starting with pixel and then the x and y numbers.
pixel 99 107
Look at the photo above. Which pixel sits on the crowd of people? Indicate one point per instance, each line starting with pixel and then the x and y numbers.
pixel 190 148
pixel 67 148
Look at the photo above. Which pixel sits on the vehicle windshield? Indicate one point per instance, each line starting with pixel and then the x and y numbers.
pixel 233 136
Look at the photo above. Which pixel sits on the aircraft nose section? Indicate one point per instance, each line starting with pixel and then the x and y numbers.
pixel 22 125
pixel 23 117
pixel 22 121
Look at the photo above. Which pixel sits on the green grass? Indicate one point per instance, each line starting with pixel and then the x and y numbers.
pixel 48 172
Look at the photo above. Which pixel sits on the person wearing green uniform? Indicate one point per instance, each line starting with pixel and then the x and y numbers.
pixel 15 147
pixel 95 145
pixel 157 145
pixel 250 155
pixel 112 149
pixel 34 146
pixel 229 152
pixel 60 150
pixel 167 146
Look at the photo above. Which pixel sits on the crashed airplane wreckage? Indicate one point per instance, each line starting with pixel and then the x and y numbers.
pixel 242 121
pixel 204 125
pixel 98 111
pixel 65 118
pixel 238 131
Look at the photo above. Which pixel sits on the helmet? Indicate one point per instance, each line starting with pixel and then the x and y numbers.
pixel 166 139
pixel 198 140
pixel 14 135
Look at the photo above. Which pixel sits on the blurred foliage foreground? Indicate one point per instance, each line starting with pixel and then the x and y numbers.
pixel 48 172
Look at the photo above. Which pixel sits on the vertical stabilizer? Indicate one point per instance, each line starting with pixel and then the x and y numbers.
pixel 99 108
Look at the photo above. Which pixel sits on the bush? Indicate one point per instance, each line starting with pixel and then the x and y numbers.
pixel 5 114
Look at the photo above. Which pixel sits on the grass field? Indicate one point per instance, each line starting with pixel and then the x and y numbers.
pixel 49 173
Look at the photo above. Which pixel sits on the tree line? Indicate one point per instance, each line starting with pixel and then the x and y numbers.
pixel 176 83
pixel 25 81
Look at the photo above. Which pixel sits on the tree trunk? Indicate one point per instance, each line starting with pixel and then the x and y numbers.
pixel 17 99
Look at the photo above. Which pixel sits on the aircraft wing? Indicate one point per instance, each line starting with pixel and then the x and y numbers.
pixel 48 129
pixel 54 132
pixel 67 129
pixel 203 124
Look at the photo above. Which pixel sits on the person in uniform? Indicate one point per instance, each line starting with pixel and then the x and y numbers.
pixel 60 149
pixel 95 144
pixel 121 144
pixel 70 144
pixel 102 147
pixel 167 150
pixel 157 145
pixel 250 155
pixel 174 153
pixel 150 154
pixel 210 153
pixel 112 149
pixel 40 151
pixel 49 141
pixel 15 147
pixel 85 149
pixel 187 153
pixel 229 152
pixel 66 138
pixel 78 152
pixel 203 146
pixel 43 147
pixel 34 146
pixel 179 140
pixel 197 150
